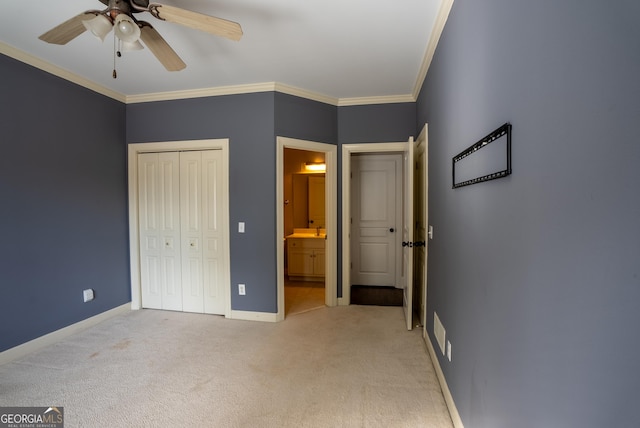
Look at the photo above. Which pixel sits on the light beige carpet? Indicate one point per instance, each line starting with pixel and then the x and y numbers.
pixel 352 366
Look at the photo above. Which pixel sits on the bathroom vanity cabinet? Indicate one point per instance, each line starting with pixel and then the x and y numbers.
pixel 306 258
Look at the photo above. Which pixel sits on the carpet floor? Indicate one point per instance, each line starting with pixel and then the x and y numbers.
pixel 353 366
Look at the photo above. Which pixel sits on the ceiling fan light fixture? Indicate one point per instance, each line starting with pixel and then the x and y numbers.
pixel 132 46
pixel 99 26
pixel 126 29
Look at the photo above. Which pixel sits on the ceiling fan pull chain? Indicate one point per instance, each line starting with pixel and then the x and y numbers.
pixel 115 75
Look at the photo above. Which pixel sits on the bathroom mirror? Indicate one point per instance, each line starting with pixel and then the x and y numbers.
pixel 308 201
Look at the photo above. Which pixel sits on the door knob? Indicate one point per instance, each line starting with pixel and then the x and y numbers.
pixel 392 230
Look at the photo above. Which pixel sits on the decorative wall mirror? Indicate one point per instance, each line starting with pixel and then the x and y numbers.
pixel 488 159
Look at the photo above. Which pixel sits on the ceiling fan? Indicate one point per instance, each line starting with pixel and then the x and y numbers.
pixel 129 30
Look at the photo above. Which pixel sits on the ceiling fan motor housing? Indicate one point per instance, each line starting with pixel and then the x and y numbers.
pixel 133 6
pixel 117 7
pixel 141 3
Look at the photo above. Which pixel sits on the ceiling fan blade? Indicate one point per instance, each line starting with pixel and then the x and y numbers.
pixel 68 30
pixel 160 48
pixel 210 24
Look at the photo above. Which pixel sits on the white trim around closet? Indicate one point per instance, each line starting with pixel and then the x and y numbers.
pixel 134 250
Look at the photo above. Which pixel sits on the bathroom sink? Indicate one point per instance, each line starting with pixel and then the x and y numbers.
pixel 308 233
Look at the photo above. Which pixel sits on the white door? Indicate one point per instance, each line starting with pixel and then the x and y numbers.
pixel 420 232
pixel 375 219
pixel 159 230
pixel 407 234
pixel 180 217
pixel 200 184
pixel 191 243
pixel 212 233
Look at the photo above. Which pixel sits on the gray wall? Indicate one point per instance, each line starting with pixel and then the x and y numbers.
pixel 62 203
pixel 536 276
pixel 304 119
pixel 64 190
pixel 380 123
pixel 247 121
pixel 251 122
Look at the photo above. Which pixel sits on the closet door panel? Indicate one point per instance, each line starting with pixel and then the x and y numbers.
pixel 159 219
pixel 149 234
pixel 214 283
pixel 169 221
pixel 191 228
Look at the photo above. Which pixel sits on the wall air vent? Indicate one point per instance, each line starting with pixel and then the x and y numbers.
pixel 439 331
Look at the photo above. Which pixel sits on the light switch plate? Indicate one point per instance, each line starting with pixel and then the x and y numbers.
pixel 87 295
pixel 241 227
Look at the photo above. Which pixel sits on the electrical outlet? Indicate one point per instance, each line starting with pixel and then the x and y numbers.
pixel 87 295
pixel 241 290
pixel 241 227
pixel 449 350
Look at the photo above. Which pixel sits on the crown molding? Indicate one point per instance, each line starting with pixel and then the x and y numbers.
pixel 267 87
pixel 24 57
pixel 200 93
pixel 434 38
pixel 303 93
pixel 388 99
pixel 232 90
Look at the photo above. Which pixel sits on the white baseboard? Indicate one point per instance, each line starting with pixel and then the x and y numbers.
pixel 448 398
pixel 55 336
pixel 254 316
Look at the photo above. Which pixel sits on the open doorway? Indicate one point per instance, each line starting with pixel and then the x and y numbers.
pixel 376 228
pixel 349 151
pixel 405 250
pixel 304 229
pixel 306 217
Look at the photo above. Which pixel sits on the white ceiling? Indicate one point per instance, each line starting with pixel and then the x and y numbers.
pixel 340 49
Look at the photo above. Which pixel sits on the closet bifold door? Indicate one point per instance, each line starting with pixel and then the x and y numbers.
pixel 213 261
pixel 201 243
pixel 159 228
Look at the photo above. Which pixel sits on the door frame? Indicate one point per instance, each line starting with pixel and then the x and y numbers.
pixel 133 150
pixel 422 146
pixel 347 151
pixel 331 216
